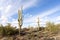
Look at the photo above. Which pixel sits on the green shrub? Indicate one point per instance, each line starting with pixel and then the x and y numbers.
pixel 50 26
pixel 7 30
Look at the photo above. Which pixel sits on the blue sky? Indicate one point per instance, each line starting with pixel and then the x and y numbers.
pixel 46 10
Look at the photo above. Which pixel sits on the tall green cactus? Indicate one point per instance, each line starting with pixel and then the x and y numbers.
pixel 20 20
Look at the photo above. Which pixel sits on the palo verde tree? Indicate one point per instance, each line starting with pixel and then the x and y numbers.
pixel 20 20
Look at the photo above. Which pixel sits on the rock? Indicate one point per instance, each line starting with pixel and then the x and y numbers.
pixel 48 38
pixel 57 38
pixel 5 38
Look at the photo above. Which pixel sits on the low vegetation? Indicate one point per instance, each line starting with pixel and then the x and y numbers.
pixel 43 33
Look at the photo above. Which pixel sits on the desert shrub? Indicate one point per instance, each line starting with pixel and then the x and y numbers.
pixel 10 30
pixel 2 30
pixel 50 26
pixel 58 27
pixel 7 30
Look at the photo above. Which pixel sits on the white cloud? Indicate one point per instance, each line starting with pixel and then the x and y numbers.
pixel 33 19
pixel 30 3
pixel 10 7
pixel 1 8
pixel 49 12
pixel 58 18
pixel 3 19
pixel 4 14
pixel 14 22
pixel 43 14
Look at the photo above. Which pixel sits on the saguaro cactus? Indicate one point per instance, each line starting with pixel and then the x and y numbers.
pixel 38 23
pixel 20 20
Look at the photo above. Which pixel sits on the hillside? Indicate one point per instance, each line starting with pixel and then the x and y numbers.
pixel 49 32
pixel 27 34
